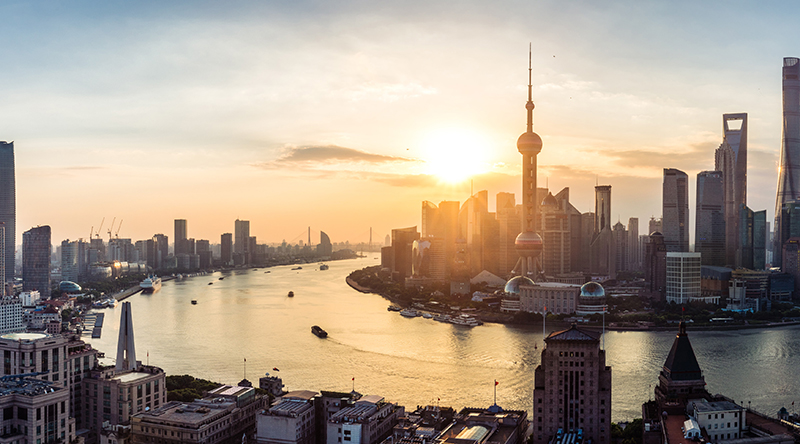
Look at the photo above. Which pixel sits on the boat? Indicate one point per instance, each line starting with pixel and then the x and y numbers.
pixel 323 267
pixel 441 317
pixel 210 283
pixel 223 277
pixel 194 301
pixel 150 284
pixel 427 315
pixel 297 268
pixel 291 294
pixel 465 320
pixel 394 308
pixel 409 313
pixel 317 330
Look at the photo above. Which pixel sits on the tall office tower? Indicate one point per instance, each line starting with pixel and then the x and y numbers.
pixel 509 226
pixel 572 387
pixel 8 206
pixel 791 260
pixel 36 249
pixel 634 249
pixel 529 144
pixel 448 222
pixel 710 224
pixel 602 207
pixel 621 246
pixel 752 252
pixel 683 277
pixel 724 161
pixel 654 225
pixel 2 258
pixel 181 237
pixel 675 202
pixel 325 248
pixel 402 244
pixel 226 249
pixel 430 219
pixel 72 260
pixel 602 251
pixel 557 216
pixel 789 172
pixel 161 250
pixel 241 233
pixel 655 270
pixel 480 229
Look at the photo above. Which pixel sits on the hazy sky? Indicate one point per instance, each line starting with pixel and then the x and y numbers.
pixel 340 115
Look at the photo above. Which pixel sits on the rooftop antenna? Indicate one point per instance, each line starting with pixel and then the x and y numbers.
pixel 245 368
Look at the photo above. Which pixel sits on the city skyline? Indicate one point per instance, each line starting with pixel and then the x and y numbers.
pixel 212 115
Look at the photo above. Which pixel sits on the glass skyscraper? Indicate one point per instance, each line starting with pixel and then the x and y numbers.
pixel 789 173
pixel 8 205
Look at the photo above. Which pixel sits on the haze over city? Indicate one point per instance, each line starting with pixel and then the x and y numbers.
pixel 346 116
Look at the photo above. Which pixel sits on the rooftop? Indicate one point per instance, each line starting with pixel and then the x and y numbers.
pixel 305 395
pixel 703 406
pixel 681 364
pixel 131 376
pixel 574 333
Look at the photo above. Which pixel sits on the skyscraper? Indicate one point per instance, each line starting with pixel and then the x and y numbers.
pixel 603 251
pixel 634 249
pixel 709 227
pixel 675 203
pixel 529 144
pixel 789 172
pixel 226 248
pixel 36 250
pixel 241 233
pixel 731 159
pixel 572 387
pixel 181 236
pixel 8 205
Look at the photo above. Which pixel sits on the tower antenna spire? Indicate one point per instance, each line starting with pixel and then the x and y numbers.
pixel 529 106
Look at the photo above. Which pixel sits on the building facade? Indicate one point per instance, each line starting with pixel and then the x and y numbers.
pixel 36 250
pixel 683 277
pixel 675 210
pixel 572 387
pixel 8 207
pixel 709 227
pixel 789 171
pixel 553 297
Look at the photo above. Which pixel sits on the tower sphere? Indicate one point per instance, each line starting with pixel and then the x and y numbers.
pixel 528 244
pixel 529 143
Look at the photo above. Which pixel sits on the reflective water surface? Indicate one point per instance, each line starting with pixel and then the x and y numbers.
pixel 412 361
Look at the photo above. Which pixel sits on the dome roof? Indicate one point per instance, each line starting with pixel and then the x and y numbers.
pixel 550 200
pixel 512 286
pixel 529 143
pixel 69 287
pixel 592 289
pixel 656 233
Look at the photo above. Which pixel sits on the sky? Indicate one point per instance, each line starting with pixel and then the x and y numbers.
pixel 341 116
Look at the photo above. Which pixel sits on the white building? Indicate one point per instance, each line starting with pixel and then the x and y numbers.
pixel 558 298
pixel 290 420
pixel 722 420
pixel 11 315
pixel 683 277
pixel 368 421
pixel 29 298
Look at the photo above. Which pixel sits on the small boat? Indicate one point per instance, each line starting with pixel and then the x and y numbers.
pixel 275 369
pixel 210 283
pixel 223 277
pixel 194 301
pixel 317 330
pixel 409 313
pixel 394 308
pixel 266 272
pixel 323 267
pixel 297 268
pixel 427 315
pixel 465 320
pixel 291 294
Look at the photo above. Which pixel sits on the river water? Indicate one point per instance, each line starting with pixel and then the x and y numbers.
pixel 412 361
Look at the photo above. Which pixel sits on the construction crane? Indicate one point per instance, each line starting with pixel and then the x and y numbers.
pixel 116 233
pixel 99 229
pixel 112 228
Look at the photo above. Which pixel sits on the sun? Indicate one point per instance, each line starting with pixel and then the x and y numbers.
pixel 455 154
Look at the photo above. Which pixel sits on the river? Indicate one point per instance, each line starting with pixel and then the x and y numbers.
pixel 412 361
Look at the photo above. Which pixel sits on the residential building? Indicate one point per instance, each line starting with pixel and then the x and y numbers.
pixel 11 319
pixel 368 421
pixel 241 230
pixel 683 277
pixel 290 420
pixel 36 411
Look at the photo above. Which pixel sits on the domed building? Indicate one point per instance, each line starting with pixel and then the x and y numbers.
pixel 513 284
pixel 592 299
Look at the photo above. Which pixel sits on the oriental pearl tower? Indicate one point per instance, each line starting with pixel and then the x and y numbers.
pixel 528 244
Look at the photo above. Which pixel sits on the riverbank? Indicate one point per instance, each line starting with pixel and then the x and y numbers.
pixel 508 319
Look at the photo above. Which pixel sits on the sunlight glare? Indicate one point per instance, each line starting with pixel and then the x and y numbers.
pixel 454 154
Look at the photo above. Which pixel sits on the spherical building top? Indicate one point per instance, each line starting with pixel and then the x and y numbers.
pixel 592 290
pixel 528 244
pixel 529 143
pixel 512 286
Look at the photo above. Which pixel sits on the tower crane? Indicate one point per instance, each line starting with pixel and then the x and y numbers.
pixel 112 228
pixel 116 233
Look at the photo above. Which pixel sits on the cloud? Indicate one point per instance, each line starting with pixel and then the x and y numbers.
pixel 330 154
pixel 696 154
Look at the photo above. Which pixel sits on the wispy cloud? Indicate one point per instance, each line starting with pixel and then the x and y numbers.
pixel 309 156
